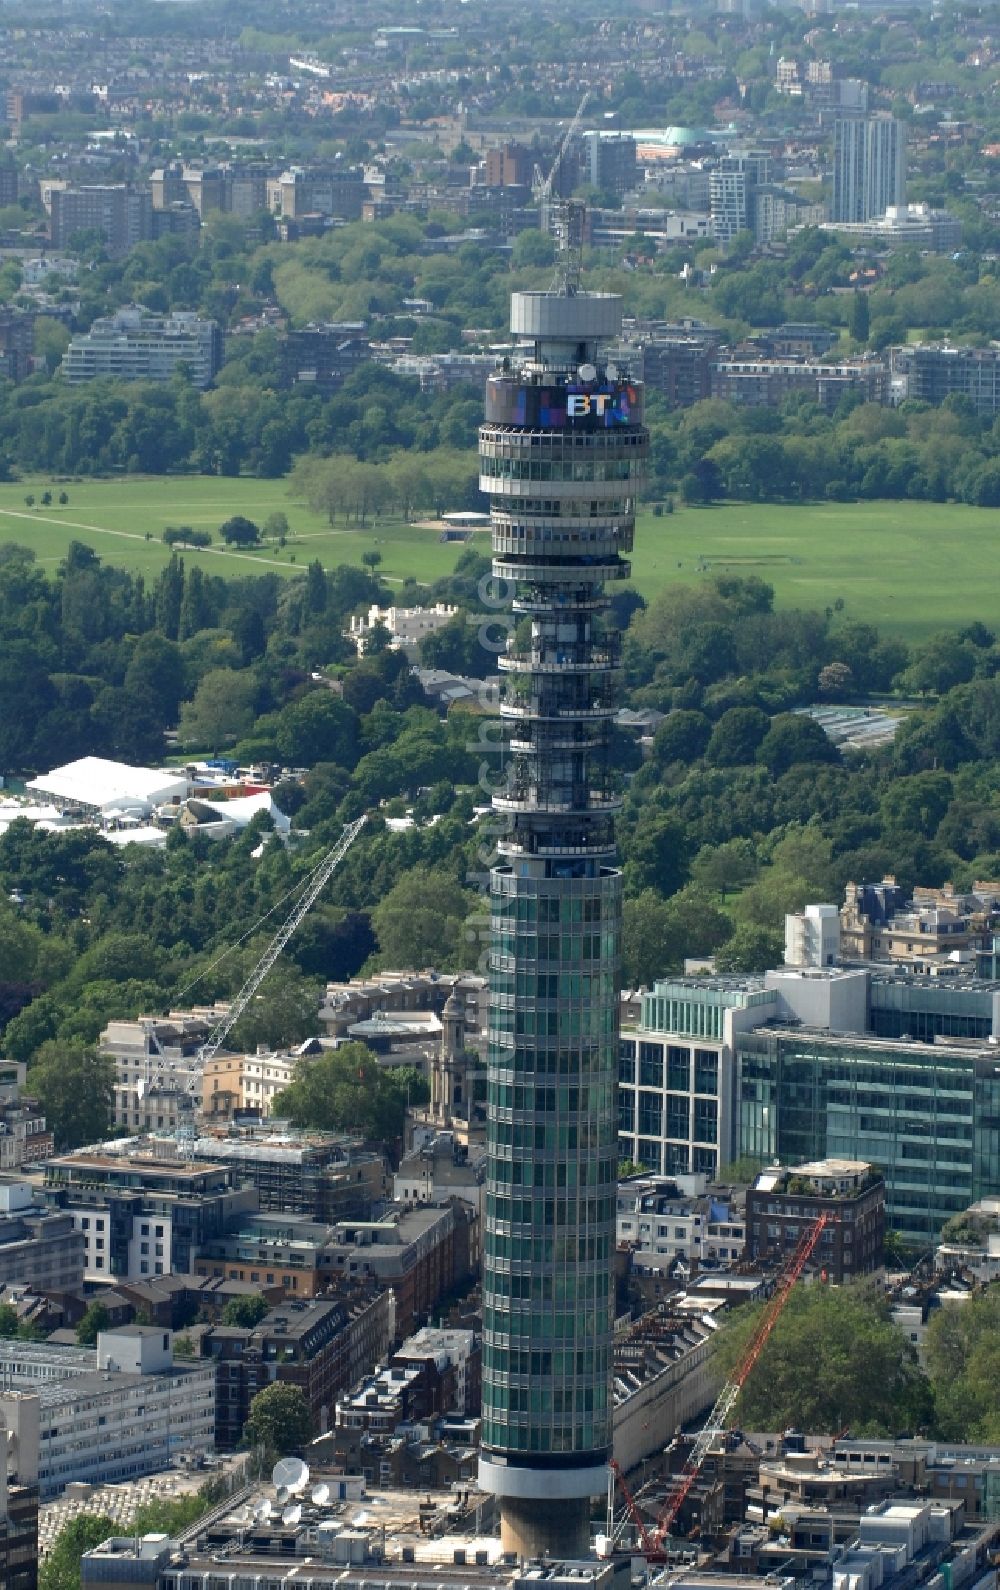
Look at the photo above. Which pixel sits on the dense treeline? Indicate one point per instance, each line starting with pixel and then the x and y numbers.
pixel 743 811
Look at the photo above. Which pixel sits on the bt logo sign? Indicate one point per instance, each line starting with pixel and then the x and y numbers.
pixel 581 403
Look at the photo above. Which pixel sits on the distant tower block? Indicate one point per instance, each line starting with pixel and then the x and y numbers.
pixel 562 451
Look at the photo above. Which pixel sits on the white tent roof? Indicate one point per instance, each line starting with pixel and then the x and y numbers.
pixel 94 781
pixel 244 807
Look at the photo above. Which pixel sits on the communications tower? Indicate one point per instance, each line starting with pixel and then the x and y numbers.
pixel 562 450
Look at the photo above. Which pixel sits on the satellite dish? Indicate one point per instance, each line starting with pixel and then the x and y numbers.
pixel 320 1495
pixel 587 372
pixel 264 1511
pixel 282 1495
pixel 291 1515
pixel 612 371
pixel 292 1473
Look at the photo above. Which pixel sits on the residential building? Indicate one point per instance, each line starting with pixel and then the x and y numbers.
pixel 434 1372
pixel 313 190
pixel 933 370
pixel 40 1249
pixel 135 345
pixel 141 1215
pixel 157 1068
pixel 323 356
pixel 439 1167
pixel 24 1137
pixel 905 226
pixel 421 1253
pixel 17 342
pixel 508 166
pixel 678 365
pixel 732 192
pixel 323 1175
pixel 766 383
pixel 362 999
pixel 322 1346
pixel 782 1205
pixel 407 626
pixel 665 1225
pixel 109 1414
pixel 930 932
pixel 608 162
pixel 869 167
pixel 122 215
pixel 243 1084
pixel 565 415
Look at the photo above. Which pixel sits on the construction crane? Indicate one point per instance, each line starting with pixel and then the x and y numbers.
pixel 543 190
pixel 652 1539
pixel 303 905
pixel 314 884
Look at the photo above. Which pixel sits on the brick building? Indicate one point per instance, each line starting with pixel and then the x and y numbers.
pixel 783 1203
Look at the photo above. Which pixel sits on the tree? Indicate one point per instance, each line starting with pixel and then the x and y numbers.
pixel 681 737
pixel 860 317
pixel 737 736
pixel 184 535
pixel 9 1322
pixel 240 532
pixel 346 1090
pixel 280 1419
pixel 742 1171
pixel 419 922
pixel 319 727
pixel 95 1320
pixel 657 934
pixel 794 738
pixel 963 1361
pixel 720 868
pixel 220 711
pixel 276 526
pixel 245 1311
pixel 834 1361
pixel 75 1084
pixel 750 949
pixel 60 1570
pixel 371 560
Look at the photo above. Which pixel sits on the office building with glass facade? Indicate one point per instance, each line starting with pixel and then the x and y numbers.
pixel 676 1077
pixel 562 451
pixel 927 1114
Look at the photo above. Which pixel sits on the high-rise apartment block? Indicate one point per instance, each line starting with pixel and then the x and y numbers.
pixel 561 453
pixel 869 167
pixel 134 345
pixel 122 215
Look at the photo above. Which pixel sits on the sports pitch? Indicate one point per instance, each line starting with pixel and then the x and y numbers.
pixel 909 567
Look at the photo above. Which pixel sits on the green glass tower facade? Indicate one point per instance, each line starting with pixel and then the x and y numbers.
pixel 562 450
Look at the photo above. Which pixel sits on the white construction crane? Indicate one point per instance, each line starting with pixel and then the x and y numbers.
pixel 314 884
pixel 544 192
pixel 303 905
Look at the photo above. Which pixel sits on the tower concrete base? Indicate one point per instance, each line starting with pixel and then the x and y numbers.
pixel 545 1527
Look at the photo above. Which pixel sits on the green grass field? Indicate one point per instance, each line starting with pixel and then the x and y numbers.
pixel 910 567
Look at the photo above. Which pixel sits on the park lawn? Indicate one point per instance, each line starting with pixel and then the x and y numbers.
pixel 114 517
pixel 909 567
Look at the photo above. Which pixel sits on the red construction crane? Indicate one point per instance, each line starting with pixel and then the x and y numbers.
pixel 652 1540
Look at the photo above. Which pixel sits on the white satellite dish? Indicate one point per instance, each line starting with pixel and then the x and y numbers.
pixel 264 1511
pixel 320 1495
pixel 291 1515
pixel 282 1495
pixel 612 371
pixel 587 372
pixel 290 1472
